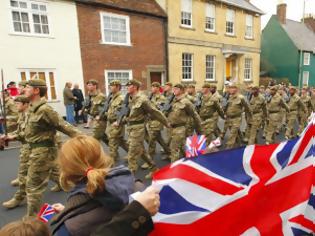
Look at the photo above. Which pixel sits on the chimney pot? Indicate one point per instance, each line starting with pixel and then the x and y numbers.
pixel 282 12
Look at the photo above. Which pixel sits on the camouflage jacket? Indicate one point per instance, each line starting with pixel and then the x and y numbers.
pixel 258 105
pixel 97 103
pixel 19 133
pixel 43 123
pixel 307 103
pixel 276 103
pixel 236 105
pixel 115 105
pixel 156 101
pixel 209 106
pixel 295 103
pixel 11 111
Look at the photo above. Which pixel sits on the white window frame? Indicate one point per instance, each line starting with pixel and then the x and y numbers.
pixel 307 58
pixel 186 8
pixel 232 20
pixel 306 76
pixel 46 71
pixel 107 90
pixel 249 26
pixel 192 66
pixel 210 15
pixel 207 67
pixel 126 18
pixel 248 70
pixel 30 13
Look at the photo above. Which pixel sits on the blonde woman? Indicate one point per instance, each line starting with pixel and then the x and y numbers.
pixel 99 194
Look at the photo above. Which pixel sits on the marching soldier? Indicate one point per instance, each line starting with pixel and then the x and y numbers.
pixel 259 112
pixel 115 133
pixel 11 112
pixel 191 95
pixel 22 103
pixel 306 99
pixel 97 100
pixel 182 110
pixel 154 126
pixel 140 108
pixel 295 104
pixel 168 89
pixel 313 98
pixel 274 103
pixel 209 106
pixel 218 96
pixel 236 105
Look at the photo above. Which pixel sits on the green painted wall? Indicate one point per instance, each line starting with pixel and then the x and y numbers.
pixel 279 55
pixel 311 69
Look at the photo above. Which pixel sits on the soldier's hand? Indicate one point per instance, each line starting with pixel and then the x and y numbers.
pixel 149 199
pixel 115 124
pixel 169 125
pixel 97 118
pixel 58 207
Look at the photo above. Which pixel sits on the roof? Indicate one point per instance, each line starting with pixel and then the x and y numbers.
pixel 148 7
pixel 301 35
pixel 244 4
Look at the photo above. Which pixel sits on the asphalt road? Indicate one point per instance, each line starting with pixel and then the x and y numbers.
pixel 8 172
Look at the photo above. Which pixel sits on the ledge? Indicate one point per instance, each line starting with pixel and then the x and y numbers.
pixel 188 82
pixel 211 32
pixel 230 35
pixel 187 28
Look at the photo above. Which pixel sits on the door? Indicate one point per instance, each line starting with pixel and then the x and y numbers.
pixel 156 77
pixel 228 70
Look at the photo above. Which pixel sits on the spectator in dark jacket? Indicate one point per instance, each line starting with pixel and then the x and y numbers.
pixel 99 194
pixel 78 104
pixel 69 99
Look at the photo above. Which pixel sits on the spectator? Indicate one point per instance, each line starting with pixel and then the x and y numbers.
pixel 13 90
pixel 99 194
pixel 69 99
pixel 26 227
pixel 78 104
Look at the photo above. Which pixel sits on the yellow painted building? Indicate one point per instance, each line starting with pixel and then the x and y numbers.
pixel 213 40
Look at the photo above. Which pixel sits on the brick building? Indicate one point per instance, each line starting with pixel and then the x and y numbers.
pixel 122 40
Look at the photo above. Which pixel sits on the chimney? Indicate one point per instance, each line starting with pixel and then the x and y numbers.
pixel 309 20
pixel 282 12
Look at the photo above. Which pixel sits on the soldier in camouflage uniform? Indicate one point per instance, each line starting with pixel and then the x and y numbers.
pixel 182 110
pixel 154 126
pixel 140 108
pixel 274 103
pixel 236 105
pixel 209 106
pixel 295 104
pixel 97 103
pixel 40 134
pixel 258 108
pixel 306 99
pixel 168 89
pixel 218 96
pixel 22 103
pixel 11 112
pixel 313 98
pixel 115 134
pixel 191 95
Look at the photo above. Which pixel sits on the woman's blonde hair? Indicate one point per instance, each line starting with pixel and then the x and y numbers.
pixel 81 158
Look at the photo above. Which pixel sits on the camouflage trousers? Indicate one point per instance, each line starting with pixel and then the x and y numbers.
pixel 136 150
pixel 42 166
pixel 303 120
pixel 291 119
pixel 271 128
pixel 190 127
pixel 208 129
pixel 99 129
pixel 154 137
pixel 232 124
pixel 178 139
pixel 253 125
pixel 115 140
pixel 22 172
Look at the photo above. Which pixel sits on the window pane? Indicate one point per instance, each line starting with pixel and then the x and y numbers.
pixel 36 18
pixel 37 28
pixel 23 76
pixel 23 5
pixel 107 22
pixel 26 28
pixel 42 8
pixel 14 4
pixel 17 27
pixel 16 16
pixel 45 29
pixel 34 6
pixel 44 19
pixel 52 85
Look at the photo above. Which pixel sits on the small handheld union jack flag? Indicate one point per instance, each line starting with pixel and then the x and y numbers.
pixel 195 145
pixel 46 213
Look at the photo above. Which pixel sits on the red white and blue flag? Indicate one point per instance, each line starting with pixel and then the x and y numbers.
pixel 195 145
pixel 252 190
pixel 46 213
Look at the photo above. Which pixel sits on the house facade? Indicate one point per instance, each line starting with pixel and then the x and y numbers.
pixel 38 41
pixel 288 50
pixel 212 41
pixel 122 40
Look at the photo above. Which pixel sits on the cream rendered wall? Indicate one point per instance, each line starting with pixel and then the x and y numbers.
pixel 60 51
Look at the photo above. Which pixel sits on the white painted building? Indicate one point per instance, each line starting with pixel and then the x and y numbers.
pixel 41 37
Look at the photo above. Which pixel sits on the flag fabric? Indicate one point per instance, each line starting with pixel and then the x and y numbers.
pixel 46 213
pixel 252 190
pixel 195 145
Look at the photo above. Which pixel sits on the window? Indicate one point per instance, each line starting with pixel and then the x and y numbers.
pixel 47 75
pixel 210 17
pixel 307 57
pixel 29 17
pixel 115 29
pixel 210 67
pixel 306 75
pixel 248 69
pixel 249 27
pixel 122 75
pixel 187 66
pixel 230 20
pixel 186 13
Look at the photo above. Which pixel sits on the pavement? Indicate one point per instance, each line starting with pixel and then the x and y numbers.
pixel 9 167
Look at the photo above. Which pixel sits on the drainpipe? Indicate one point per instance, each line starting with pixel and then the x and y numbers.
pixel 300 85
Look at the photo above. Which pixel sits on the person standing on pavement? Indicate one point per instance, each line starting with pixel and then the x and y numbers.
pixel 69 100
pixel 78 104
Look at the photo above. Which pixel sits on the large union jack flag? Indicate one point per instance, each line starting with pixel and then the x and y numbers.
pixel 253 190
